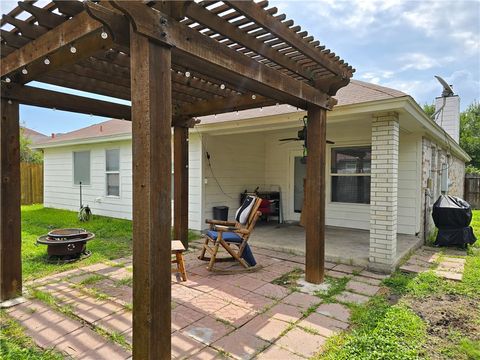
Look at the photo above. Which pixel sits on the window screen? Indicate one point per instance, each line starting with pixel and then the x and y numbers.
pixel 112 170
pixel 350 174
pixel 81 167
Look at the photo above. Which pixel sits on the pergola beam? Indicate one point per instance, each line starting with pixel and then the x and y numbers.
pixel 216 23
pixel 151 145
pixel 82 31
pixel 282 31
pixel 10 233
pixel 28 95
pixel 195 48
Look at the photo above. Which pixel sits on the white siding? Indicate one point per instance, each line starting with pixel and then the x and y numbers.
pixel 195 178
pixel 238 163
pixel 409 183
pixel 60 192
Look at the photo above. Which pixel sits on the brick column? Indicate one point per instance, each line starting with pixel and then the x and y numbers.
pixel 384 189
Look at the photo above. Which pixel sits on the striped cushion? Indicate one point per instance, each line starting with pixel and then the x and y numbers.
pixel 243 212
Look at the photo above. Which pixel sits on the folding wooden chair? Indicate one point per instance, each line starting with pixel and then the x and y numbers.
pixel 228 233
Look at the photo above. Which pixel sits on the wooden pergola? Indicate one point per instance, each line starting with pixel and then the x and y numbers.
pixel 174 61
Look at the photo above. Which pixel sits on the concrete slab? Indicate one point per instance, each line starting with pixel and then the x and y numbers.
pixel 342 245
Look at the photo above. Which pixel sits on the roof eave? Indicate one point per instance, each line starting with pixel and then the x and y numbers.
pixel 83 141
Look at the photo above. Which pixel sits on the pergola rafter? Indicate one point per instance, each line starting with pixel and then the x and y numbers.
pixel 174 61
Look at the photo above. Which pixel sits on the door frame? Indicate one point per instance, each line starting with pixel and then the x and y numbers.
pixel 292 215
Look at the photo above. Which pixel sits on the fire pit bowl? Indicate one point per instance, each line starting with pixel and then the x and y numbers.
pixel 62 234
pixel 66 245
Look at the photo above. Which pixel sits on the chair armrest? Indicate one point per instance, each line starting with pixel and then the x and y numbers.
pixel 223 228
pixel 220 222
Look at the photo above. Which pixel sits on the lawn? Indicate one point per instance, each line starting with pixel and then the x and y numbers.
pixel 417 317
pixel 113 239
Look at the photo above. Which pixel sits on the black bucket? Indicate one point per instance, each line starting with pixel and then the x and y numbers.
pixel 220 213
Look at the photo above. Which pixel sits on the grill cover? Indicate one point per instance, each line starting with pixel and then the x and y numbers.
pixel 452 217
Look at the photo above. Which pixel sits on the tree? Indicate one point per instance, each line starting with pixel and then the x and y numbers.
pixel 26 153
pixel 429 109
pixel 470 133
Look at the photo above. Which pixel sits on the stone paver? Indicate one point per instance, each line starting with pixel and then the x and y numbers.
pixel 301 300
pixel 240 344
pixel 302 343
pixel 266 328
pixel 445 266
pixel 323 325
pixel 336 311
pixel 362 288
pixel 184 346
pixel 272 291
pixel 348 269
pixel 350 297
pixel 284 312
pixel 235 315
pixel 240 316
pixel 207 330
pixel 367 280
pixel 277 353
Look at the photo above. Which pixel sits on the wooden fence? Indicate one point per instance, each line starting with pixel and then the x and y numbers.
pixel 31 180
pixel 472 190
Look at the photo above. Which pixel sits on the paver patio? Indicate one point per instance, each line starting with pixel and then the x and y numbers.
pixel 240 316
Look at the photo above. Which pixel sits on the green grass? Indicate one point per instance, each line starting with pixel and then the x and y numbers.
pixel 381 330
pixel 15 345
pixel 113 238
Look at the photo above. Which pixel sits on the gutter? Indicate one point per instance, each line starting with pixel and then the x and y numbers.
pixel 83 141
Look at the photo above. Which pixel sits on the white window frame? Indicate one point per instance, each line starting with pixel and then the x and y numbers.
pixel 89 165
pixel 107 172
pixel 331 174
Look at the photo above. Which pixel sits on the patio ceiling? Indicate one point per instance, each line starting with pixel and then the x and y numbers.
pixel 260 57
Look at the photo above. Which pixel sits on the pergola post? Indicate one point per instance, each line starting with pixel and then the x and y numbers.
pixel 151 133
pixel 10 226
pixel 180 187
pixel 315 194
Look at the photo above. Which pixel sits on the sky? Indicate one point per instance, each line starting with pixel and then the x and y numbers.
pixel 395 43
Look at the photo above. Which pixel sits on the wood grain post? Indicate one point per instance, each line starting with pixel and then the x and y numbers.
pixel 10 226
pixel 315 195
pixel 180 187
pixel 151 133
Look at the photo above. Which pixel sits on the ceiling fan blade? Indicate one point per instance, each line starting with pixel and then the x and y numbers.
pixel 290 139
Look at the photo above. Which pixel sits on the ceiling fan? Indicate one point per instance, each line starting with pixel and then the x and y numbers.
pixel 302 134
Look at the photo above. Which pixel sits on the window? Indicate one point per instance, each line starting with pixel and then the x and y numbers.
pixel 350 174
pixel 112 171
pixel 81 167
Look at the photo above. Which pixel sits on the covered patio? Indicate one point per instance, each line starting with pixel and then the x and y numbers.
pixel 173 61
pixel 342 245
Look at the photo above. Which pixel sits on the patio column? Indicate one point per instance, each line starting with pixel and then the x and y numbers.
pixel 383 191
pixel 151 132
pixel 10 233
pixel 315 195
pixel 180 187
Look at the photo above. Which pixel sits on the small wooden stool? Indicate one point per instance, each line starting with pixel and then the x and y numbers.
pixel 177 250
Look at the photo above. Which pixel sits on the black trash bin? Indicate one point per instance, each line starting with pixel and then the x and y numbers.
pixel 220 213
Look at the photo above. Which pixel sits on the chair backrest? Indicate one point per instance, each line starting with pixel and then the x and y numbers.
pixel 253 215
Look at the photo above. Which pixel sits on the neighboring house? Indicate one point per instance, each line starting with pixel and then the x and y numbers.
pixel 34 136
pixel 373 128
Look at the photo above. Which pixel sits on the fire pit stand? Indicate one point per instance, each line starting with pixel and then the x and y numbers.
pixel 66 245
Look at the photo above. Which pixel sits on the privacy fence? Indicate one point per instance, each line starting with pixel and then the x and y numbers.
pixel 472 190
pixel 31 180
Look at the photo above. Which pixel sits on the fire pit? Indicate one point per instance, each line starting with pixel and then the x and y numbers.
pixel 66 245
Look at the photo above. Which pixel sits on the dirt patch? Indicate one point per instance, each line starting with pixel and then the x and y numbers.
pixel 447 316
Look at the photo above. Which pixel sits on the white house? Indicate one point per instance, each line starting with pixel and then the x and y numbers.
pixel 387 163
